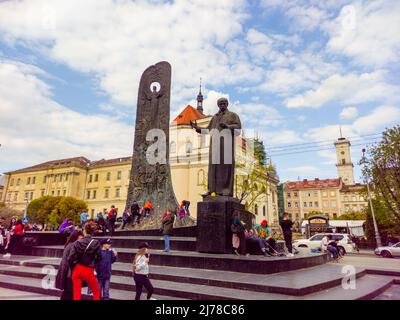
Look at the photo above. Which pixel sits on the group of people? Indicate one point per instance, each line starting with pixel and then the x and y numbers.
pixel 11 236
pixel 82 257
pixel 330 244
pixel 260 238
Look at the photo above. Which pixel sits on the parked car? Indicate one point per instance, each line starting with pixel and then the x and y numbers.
pixel 389 251
pixel 345 244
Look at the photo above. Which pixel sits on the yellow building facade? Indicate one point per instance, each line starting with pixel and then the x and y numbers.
pixel 104 182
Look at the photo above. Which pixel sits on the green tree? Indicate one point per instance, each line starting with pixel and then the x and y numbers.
pixel 259 151
pixel 53 210
pixel 314 213
pixel 382 168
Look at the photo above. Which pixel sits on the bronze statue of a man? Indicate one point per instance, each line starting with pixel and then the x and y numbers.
pixel 223 128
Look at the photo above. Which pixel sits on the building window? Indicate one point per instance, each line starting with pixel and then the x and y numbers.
pixel 58 192
pixel 16 196
pixel 304 204
pixel 90 178
pixel 29 180
pixel 295 194
pixel 200 177
pixel 106 193
pixel 297 216
pixel 44 179
pixel 188 147
pixel 108 176
pixel 310 204
pixel 353 198
pixel 11 182
pixel 172 148
pixel 343 161
pixel 88 194
pixel 96 177
pixel 273 197
pixel 52 193
pixel 33 180
pixel 288 194
pixel 333 204
pixel 256 209
pixel 334 215
pixel 94 194
pixel 316 203
pixel 333 193
pixel 31 197
pixel 117 192
pixel 119 175
pixel 64 193
pixel 61 177
pixel 309 194
pixel 296 204
pixel 264 211
pixel 315 193
pixel 289 204
pixel 26 196
pixel 346 198
pixel 66 176
pixel 324 194
pixel 55 178
pixel 42 193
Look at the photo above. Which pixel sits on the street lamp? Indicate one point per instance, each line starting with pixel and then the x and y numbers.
pixel 377 235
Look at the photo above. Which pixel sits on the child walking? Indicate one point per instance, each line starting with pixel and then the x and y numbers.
pixel 104 268
pixel 140 270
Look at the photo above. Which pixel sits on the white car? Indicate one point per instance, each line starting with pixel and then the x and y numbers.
pixel 389 251
pixel 345 245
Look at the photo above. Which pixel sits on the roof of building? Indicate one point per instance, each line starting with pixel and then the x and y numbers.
pixel 352 187
pixel 110 161
pixel 81 161
pixel 313 184
pixel 188 114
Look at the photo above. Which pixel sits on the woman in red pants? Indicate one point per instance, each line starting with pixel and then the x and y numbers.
pixel 83 258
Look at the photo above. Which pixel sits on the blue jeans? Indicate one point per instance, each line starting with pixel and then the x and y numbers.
pixel 104 285
pixel 166 240
pixel 333 251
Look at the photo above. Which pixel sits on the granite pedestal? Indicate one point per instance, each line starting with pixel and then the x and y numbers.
pixel 214 219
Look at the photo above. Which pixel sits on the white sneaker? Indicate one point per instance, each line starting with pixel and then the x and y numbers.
pixel 152 299
pixel 290 255
pixel 7 255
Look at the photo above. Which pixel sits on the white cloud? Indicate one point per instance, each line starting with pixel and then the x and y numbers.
pixel 304 170
pixel 368 32
pixel 279 137
pixel 349 113
pixel 35 128
pixel 349 89
pixel 124 37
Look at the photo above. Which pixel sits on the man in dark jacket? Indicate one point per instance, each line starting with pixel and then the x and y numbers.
pixel 286 225
pixel 135 212
pixel 168 227
pixel 104 269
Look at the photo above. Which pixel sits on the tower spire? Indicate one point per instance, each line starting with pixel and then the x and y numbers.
pixel 200 100
pixel 340 130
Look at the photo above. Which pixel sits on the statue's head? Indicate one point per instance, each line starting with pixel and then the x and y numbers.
pixel 222 104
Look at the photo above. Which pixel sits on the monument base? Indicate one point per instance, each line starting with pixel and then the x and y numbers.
pixel 214 219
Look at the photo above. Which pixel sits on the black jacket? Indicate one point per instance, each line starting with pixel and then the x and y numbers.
pixel 88 258
pixel 135 209
pixel 63 279
pixel 286 225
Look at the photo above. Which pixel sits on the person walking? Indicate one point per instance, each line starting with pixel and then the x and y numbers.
pixel 167 228
pixel 16 234
pixel 140 268
pixel 84 256
pixel 286 225
pixel 64 274
pixel 104 268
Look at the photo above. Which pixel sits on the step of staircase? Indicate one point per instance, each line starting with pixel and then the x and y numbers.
pixel 191 259
pixel 299 282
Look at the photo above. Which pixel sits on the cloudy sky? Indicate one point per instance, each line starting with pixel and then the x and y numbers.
pixel 294 70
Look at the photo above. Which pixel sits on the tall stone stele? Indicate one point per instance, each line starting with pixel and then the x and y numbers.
pixel 150 178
